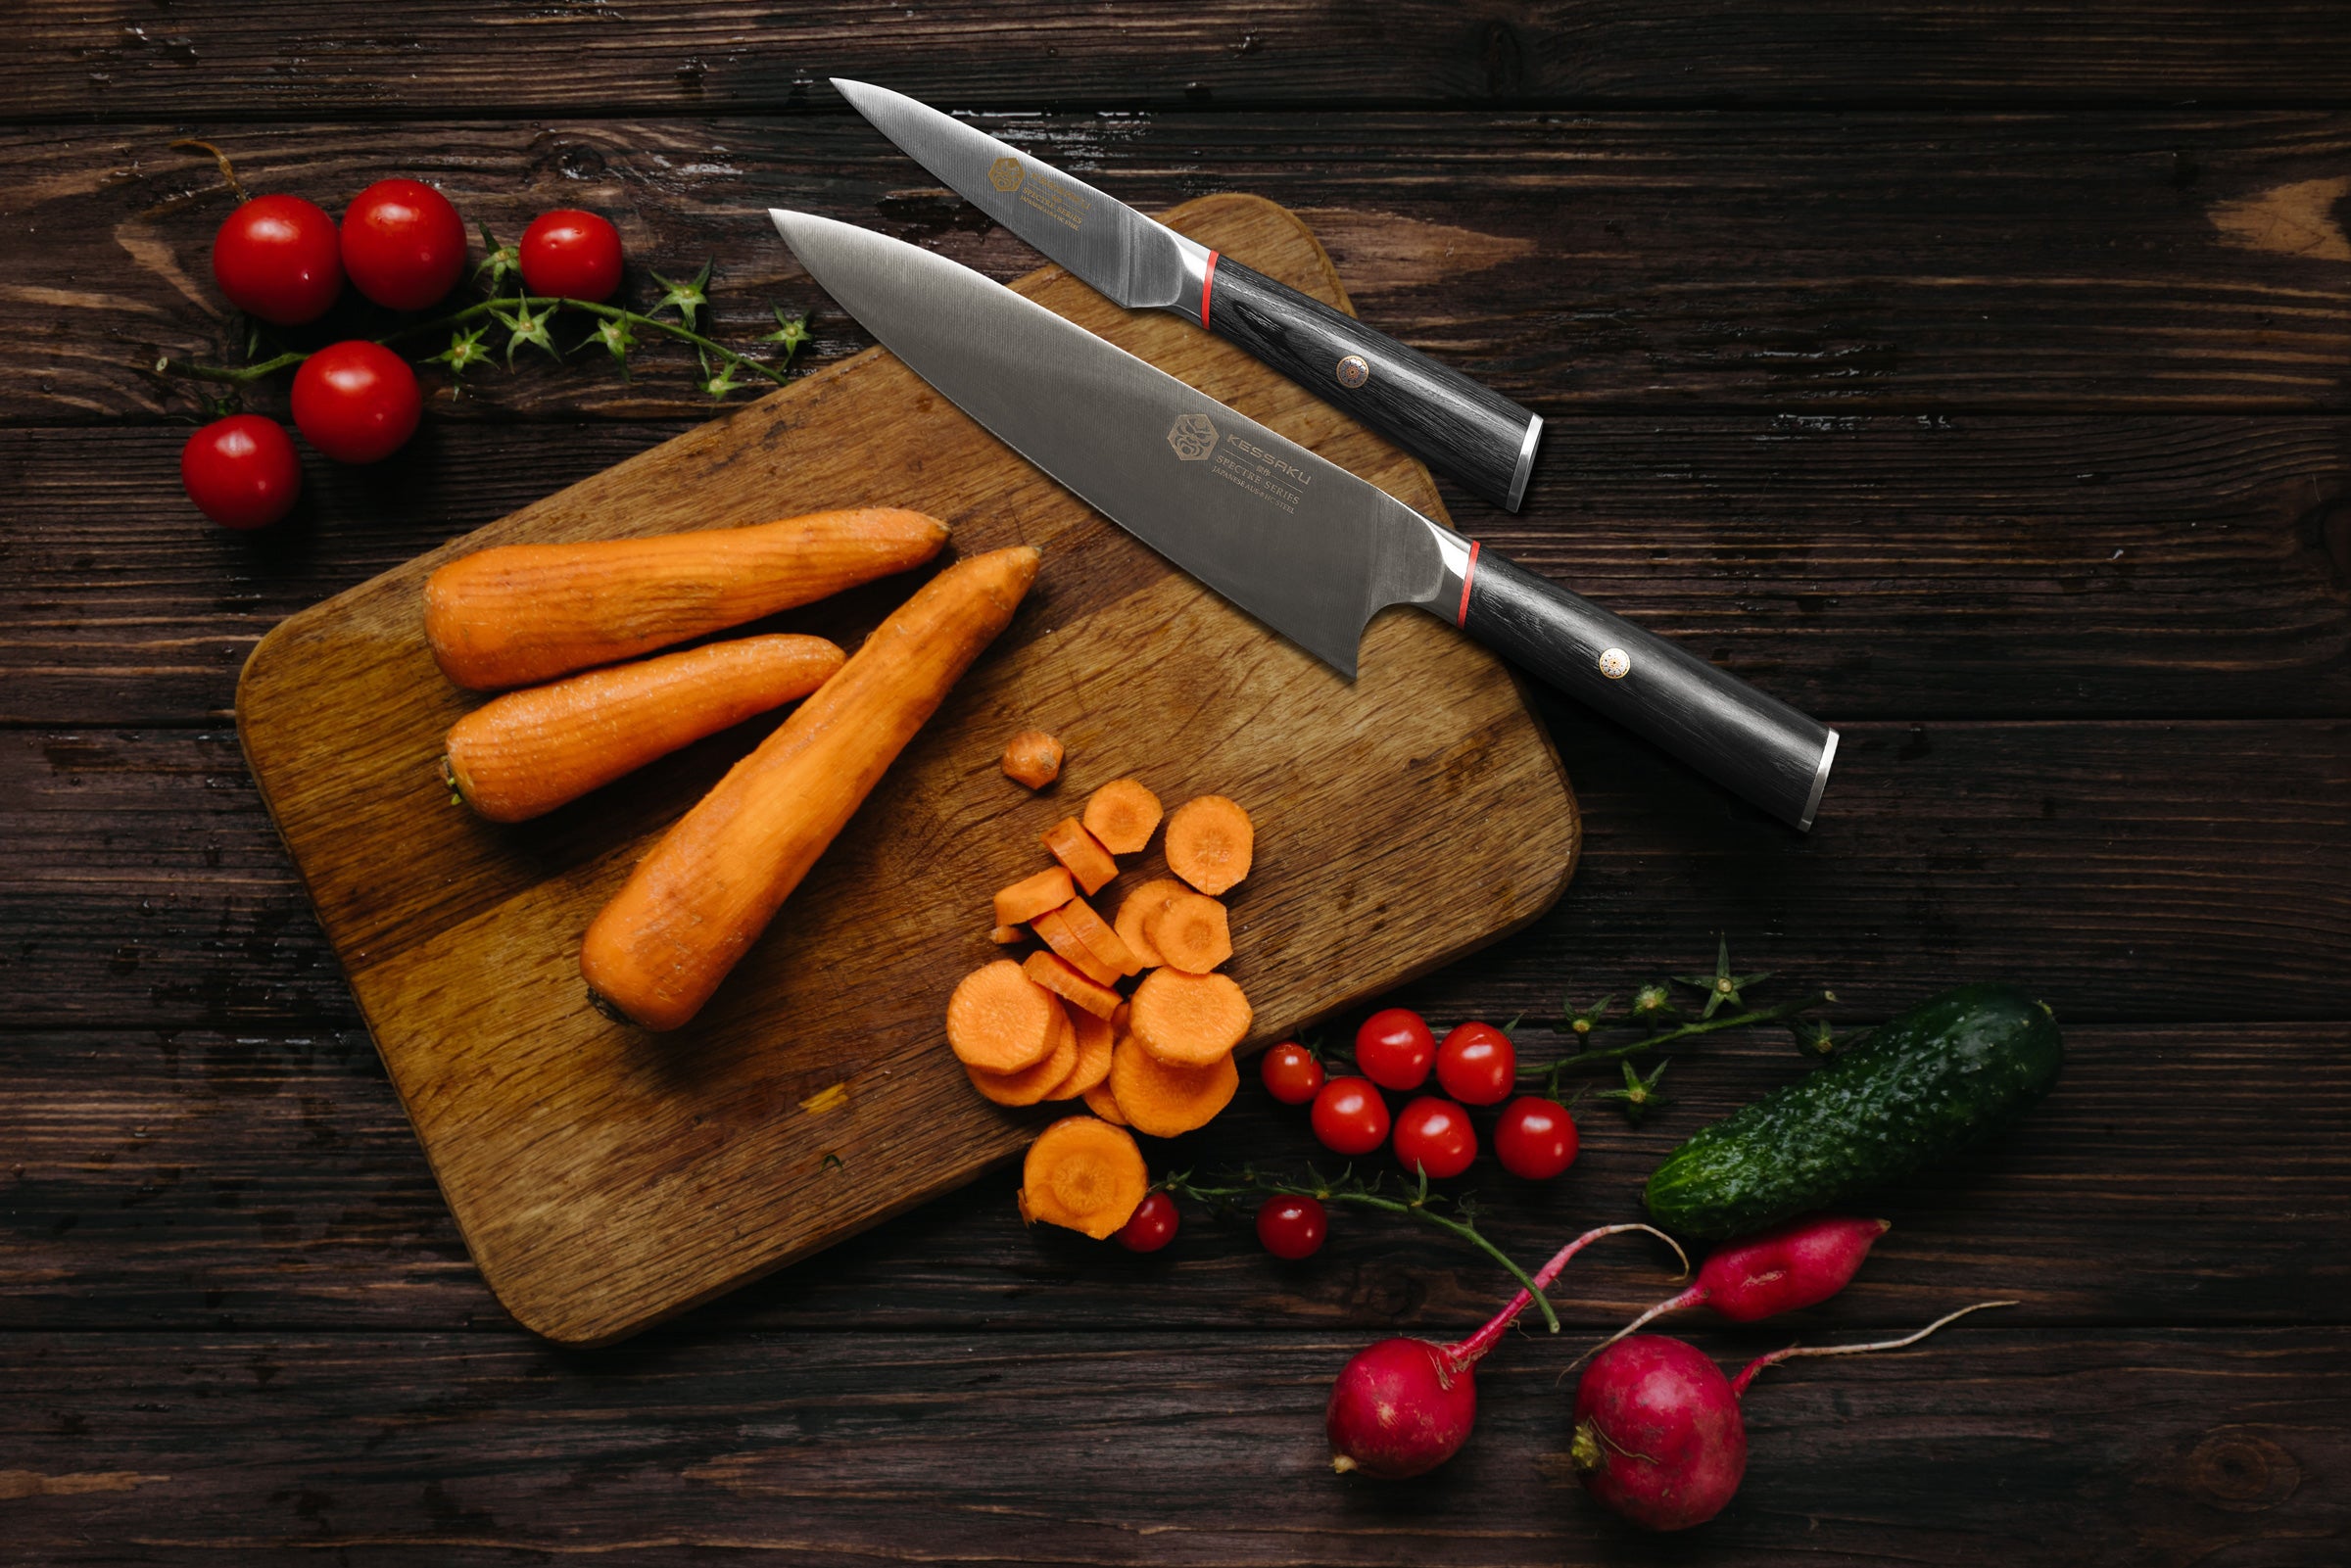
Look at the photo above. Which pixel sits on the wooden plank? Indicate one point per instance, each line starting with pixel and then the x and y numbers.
pixel 2143 871
pixel 190 1179
pixel 1830 264
pixel 2150 1446
pixel 277 57
pixel 1963 567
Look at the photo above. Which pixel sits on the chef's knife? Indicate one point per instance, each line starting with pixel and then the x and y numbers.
pixel 1471 432
pixel 1296 541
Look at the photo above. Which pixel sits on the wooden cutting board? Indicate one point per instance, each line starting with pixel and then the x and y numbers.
pixel 606 1178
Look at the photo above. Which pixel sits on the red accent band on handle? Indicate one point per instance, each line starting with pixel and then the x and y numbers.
pixel 1208 280
pixel 1467 572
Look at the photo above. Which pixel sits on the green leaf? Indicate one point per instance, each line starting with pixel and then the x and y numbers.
pixel 501 262
pixel 790 331
pixel 464 352
pixel 614 333
pixel 719 384
pixel 523 327
pixel 689 298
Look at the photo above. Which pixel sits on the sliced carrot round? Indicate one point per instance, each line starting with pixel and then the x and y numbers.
pixel 1056 974
pixel 1000 1019
pixel 1068 841
pixel 1168 1100
pixel 1210 843
pixel 1033 758
pixel 1102 1102
pixel 1053 928
pixel 1191 933
pixel 1123 814
pixel 1092 1061
pixel 1104 944
pixel 1035 1082
pixel 1031 896
pixel 1189 1021
pixel 1137 910
pixel 1083 1173
pixel 1007 935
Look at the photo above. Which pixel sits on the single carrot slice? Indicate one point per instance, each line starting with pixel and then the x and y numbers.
pixel 1099 939
pixel 1210 842
pixel 1033 1082
pixel 1095 1041
pixel 1071 844
pixel 1102 1102
pixel 1007 935
pixel 1123 814
pixel 1191 933
pixel 1055 931
pixel 1033 758
pixel 1083 1173
pixel 1000 1019
pixel 1167 1100
pixel 1135 913
pixel 1055 973
pixel 1189 1021
pixel 1031 896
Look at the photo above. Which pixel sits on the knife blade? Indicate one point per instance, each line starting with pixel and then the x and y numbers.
pixel 1296 541
pixel 1470 431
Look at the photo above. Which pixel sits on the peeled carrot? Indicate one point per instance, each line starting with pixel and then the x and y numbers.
pixel 1209 844
pixel 1167 1100
pixel 1035 1081
pixel 1102 1102
pixel 1058 976
pixel 1100 941
pixel 1121 815
pixel 697 901
pixel 1071 844
pixel 523 754
pixel 1137 912
pixel 518 614
pixel 1054 931
pixel 1000 1019
pixel 1033 758
pixel 1007 935
pixel 1191 933
pixel 1083 1173
pixel 1095 1041
pixel 1031 896
pixel 1189 1021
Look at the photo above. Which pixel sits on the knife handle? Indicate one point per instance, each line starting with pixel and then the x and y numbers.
pixel 1471 432
pixel 1752 744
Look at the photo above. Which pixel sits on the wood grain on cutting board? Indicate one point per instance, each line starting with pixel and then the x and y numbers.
pixel 606 1178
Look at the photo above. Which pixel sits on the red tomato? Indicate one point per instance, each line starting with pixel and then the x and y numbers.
pixel 1292 1075
pixel 575 254
pixel 1535 1138
pixel 1477 1064
pixel 357 401
pixel 241 471
pixel 402 243
pixel 275 257
pixel 1434 1135
pixel 1152 1225
pixel 1394 1048
pixel 1292 1228
pixel 1350 1117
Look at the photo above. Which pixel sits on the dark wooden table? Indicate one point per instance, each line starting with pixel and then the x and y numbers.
pixel 1977 376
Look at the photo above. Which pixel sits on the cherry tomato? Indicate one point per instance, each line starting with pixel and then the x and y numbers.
pixel 1152 1225
pixel 357 401
pixel 1350 1117
pixel 1292 1075
pixel 575 254
pixel 1535 1138
pixel 1292 1228
pixel 402 243
pixel 241 471
pixel 1477 1064
pixel 1394 1048
pixel 276 258
pixel 1434 1135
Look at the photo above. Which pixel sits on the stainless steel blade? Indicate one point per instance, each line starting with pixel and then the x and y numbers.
pixel 1296 541
pixel 1141 263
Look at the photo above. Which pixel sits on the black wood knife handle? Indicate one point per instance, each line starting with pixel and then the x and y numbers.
pixel 1471 432
pixel 1752 744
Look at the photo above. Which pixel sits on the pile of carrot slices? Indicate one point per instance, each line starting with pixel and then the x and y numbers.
pixel 1064 1022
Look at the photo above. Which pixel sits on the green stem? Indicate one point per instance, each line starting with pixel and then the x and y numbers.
pixel 1684 1031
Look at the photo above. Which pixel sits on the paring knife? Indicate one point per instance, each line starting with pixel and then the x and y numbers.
pixel 1471 432
pixel 1296 541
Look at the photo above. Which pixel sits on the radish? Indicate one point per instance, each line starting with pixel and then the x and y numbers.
pixel 1800 1263
pixel 1402 1406
pixel 1658 1437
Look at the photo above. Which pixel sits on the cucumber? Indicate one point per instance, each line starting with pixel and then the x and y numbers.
pixel 1951 1071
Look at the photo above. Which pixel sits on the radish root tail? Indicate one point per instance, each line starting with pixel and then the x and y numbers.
pixel 1747 1374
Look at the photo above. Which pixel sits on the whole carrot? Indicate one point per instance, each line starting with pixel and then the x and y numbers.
pixel 519 614
pixel 523 754
pixel 697 901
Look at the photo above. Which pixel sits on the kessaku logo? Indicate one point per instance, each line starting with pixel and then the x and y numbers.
pixel 1193 437
pixel 1005 173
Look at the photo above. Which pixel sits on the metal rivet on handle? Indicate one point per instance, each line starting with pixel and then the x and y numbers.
pixel 1615 664
pixel 1354 370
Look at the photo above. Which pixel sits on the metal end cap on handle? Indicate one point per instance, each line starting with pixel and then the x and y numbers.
pixel 1820 781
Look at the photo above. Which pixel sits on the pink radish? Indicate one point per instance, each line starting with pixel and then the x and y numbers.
pixel 1402 1406
pixel 1658 1437
pixel 1800 1263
